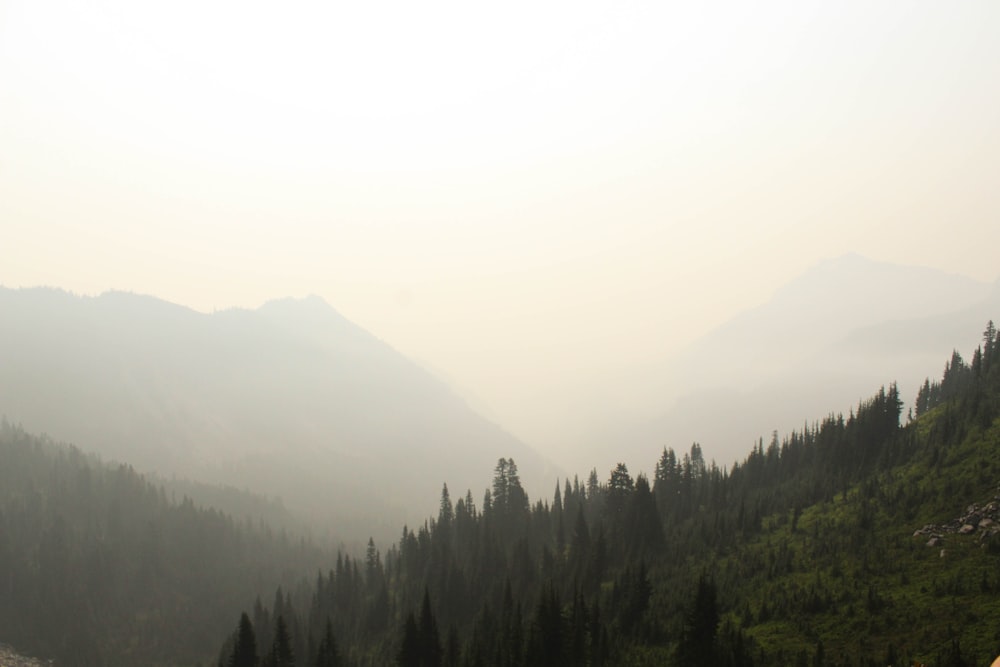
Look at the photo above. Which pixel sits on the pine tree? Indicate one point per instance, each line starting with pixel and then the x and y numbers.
pixel 281 649
pixel 697 645
pixel 643 526
pixel 328 655
pixel 446 514
pixel 620 487
pixel 409 650
pixel 579 550
pixel 666 481
pixel 373 567
pixel 430 640
pixel 990 339
pixel 501 486
pixel 245 650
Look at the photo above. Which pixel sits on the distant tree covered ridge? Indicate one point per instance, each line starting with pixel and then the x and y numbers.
pixel 275 399
pixel 805 553
pixel 98 566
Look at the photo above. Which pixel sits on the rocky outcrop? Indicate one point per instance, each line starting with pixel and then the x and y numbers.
pixel 10 658
pixel 983 520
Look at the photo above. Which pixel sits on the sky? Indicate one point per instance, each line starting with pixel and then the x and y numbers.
pixel 524 197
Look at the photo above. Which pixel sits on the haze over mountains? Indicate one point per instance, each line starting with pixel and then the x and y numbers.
pixel 294 400
pixel 828 338
pixel 831 534
pixel 290 399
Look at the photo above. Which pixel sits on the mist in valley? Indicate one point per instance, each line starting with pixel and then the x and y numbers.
pixel 452 335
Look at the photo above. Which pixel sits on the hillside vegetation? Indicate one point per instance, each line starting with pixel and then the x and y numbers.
pixel 98 566
pixel 811 551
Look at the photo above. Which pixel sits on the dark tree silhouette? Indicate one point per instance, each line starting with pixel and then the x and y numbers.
pixel 409 651
pixel 245 650
pixel 697 646
pixel 327 654
pixel 281 649
pixel 430 639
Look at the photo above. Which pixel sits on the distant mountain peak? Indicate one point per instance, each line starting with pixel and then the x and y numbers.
pixel 310 311
pixel 852 282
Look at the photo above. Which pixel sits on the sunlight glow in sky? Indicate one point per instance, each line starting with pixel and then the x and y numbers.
pixel 522 196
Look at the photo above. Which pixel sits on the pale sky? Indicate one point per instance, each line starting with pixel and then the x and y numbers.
pixel 524 197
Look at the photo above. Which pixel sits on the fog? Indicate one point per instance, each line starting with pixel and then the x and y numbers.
pixel 344 333
pixel 545 206
pixel 290 401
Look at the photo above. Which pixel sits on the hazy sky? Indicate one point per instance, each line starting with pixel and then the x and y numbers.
pixel 522 196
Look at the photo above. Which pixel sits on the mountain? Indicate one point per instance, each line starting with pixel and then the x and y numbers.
pixel 828 338
pixel 290 399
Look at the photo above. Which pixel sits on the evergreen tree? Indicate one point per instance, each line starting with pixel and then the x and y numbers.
pixel 245 649
pixel 373 567
pixel 328 654
pixel 631 597
pixel 666 481
pixel 643 535
pixel 410 650
pixel 430 640
pixel 579 549
pixel 545 646
pixel 281 648
pixel 501 486
pixel 446 514
pixel 620 487
pixel 697 646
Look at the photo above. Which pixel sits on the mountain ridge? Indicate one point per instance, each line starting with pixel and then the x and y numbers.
pixel 814 344
pixel 237 396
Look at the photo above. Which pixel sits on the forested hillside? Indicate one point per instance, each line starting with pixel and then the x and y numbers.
pixel 855 541
pixel 98 566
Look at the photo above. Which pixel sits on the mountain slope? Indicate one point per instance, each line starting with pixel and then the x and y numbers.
pixel 291 400
pixel 883 568
pixel 98 566
pixel 828 338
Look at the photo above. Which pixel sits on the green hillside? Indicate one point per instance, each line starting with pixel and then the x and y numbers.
pixel 860 577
